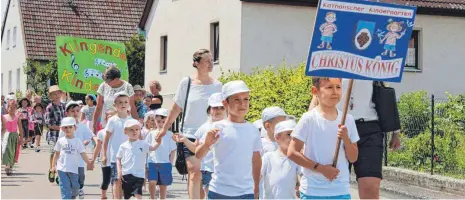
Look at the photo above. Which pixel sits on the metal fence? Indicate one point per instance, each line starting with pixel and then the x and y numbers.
pixel 428 136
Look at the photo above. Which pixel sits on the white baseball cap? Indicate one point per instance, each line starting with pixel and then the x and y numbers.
pixel 10 97
pixel 121 94
pixel 258 124
pixel 79 102
pixel 68 121
pixel 70 103
pixel 234 87
pixel 148 114
pixel 283 126
pixel 215 100
pixel 272 112
pixel 162 112
pixel 131 123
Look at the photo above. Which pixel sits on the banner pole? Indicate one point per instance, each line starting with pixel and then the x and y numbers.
pixel 344 114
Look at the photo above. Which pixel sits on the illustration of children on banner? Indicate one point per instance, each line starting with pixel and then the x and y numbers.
pixel 327 30
pixel 392 36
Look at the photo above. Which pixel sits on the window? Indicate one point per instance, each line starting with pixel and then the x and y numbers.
pixel 163 53
pixel 18 79
pixel 412 52
pixel 8 39
pixel 215 41
pixel 14 37
pixel 10 76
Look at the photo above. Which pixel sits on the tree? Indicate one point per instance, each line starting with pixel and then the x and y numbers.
pixel 135 51
pixel 38 74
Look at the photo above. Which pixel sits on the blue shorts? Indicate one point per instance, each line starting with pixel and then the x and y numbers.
pixel 206 178
pixel 345 196
pixel 328 39
pixel 114 173
pixel 161 173
pixel 389 47
pixel 214 195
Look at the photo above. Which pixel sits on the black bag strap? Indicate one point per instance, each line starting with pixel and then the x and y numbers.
pixel 185 103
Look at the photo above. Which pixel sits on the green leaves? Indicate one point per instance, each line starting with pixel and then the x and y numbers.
pixel 135 50
pixel 283 86
pixel 38 75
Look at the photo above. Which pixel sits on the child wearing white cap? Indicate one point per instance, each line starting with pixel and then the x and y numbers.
pixel 69 151
pixel 159 161
pixel 236 148
pixel 132 157
pixel 149 124
pixel 270 117
pixel 115 137
pixel 216 112
pixel 279 174
pixel 82 133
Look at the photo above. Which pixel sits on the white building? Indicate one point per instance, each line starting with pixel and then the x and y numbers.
pixel 257 33
pixel 30 26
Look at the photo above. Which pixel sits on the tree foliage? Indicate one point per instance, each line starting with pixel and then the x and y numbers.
pixel 38 74
pixel 135 50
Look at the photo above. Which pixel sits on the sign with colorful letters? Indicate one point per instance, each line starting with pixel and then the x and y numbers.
pixel 81 62
pixel 360 40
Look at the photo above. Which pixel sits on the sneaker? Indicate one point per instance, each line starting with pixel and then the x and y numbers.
pixel 37 149
pixel 31 145
pixel 81 194
pixel 57 180
pixel 51 176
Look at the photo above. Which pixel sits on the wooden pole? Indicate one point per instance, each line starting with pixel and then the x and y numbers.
pixel 344 114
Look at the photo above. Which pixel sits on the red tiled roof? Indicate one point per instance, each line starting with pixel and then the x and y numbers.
pixel 114 20
pixel 441 4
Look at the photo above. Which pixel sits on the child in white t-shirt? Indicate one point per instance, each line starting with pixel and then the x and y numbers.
pixel 149 124
pixel 160 161
pixel 82 133
pixel 216 113
pixel 106 167
pixel 279 174
pixel 115 137
pixel 317 133
pixel 132 157
pixel 69 151
pixel 270 117
pixel 236 148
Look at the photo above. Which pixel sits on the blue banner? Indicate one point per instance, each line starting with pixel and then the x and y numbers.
pixel 360 40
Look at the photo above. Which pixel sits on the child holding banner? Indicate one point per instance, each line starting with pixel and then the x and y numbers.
pixel 317 133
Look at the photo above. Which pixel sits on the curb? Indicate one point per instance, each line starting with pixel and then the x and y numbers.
pixel 432 182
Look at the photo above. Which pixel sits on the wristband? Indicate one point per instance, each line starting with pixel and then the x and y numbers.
pixel 316 165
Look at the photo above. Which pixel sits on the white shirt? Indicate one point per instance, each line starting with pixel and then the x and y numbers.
pixel 197 104
pixel 362 106
pixel 70 154
pixel 101 136
pixel 144 132
pixel 233 154
pixel 108 94
pixel 162 153
pixel 320 138
pixel 133 157
pixel 115 126
pixel 82 133
pixel 279 175
pixel 268 145
pixel 207 161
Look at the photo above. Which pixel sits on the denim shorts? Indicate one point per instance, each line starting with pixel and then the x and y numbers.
pixel 345 196
pixel 114 173
pixel 214 195
pixel 161 173
pixel 206 178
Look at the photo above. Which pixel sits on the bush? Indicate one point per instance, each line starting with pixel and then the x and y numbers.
pixel 415 112
pixel 283 86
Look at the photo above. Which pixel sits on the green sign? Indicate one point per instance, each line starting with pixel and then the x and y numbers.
pixel 81 63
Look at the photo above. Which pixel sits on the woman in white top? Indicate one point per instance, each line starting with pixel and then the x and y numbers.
pixel 106 95
pixel 202 87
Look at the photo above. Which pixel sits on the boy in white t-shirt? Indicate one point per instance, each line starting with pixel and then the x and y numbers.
pixel 160 161
pixel 317 133
pixel 69 151
pixel 82 133
pixel 216 113
pixel 236 148
pixel 115 137
pixel 132 157
pixel 270 117
pixel 279 174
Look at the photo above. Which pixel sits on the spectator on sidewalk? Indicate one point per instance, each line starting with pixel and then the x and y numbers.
pixel 157 99
pixel 139 94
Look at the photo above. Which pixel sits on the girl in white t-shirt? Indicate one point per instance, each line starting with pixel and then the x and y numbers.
pixel 149 124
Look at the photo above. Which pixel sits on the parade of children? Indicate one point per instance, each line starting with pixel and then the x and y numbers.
pixel 276 157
